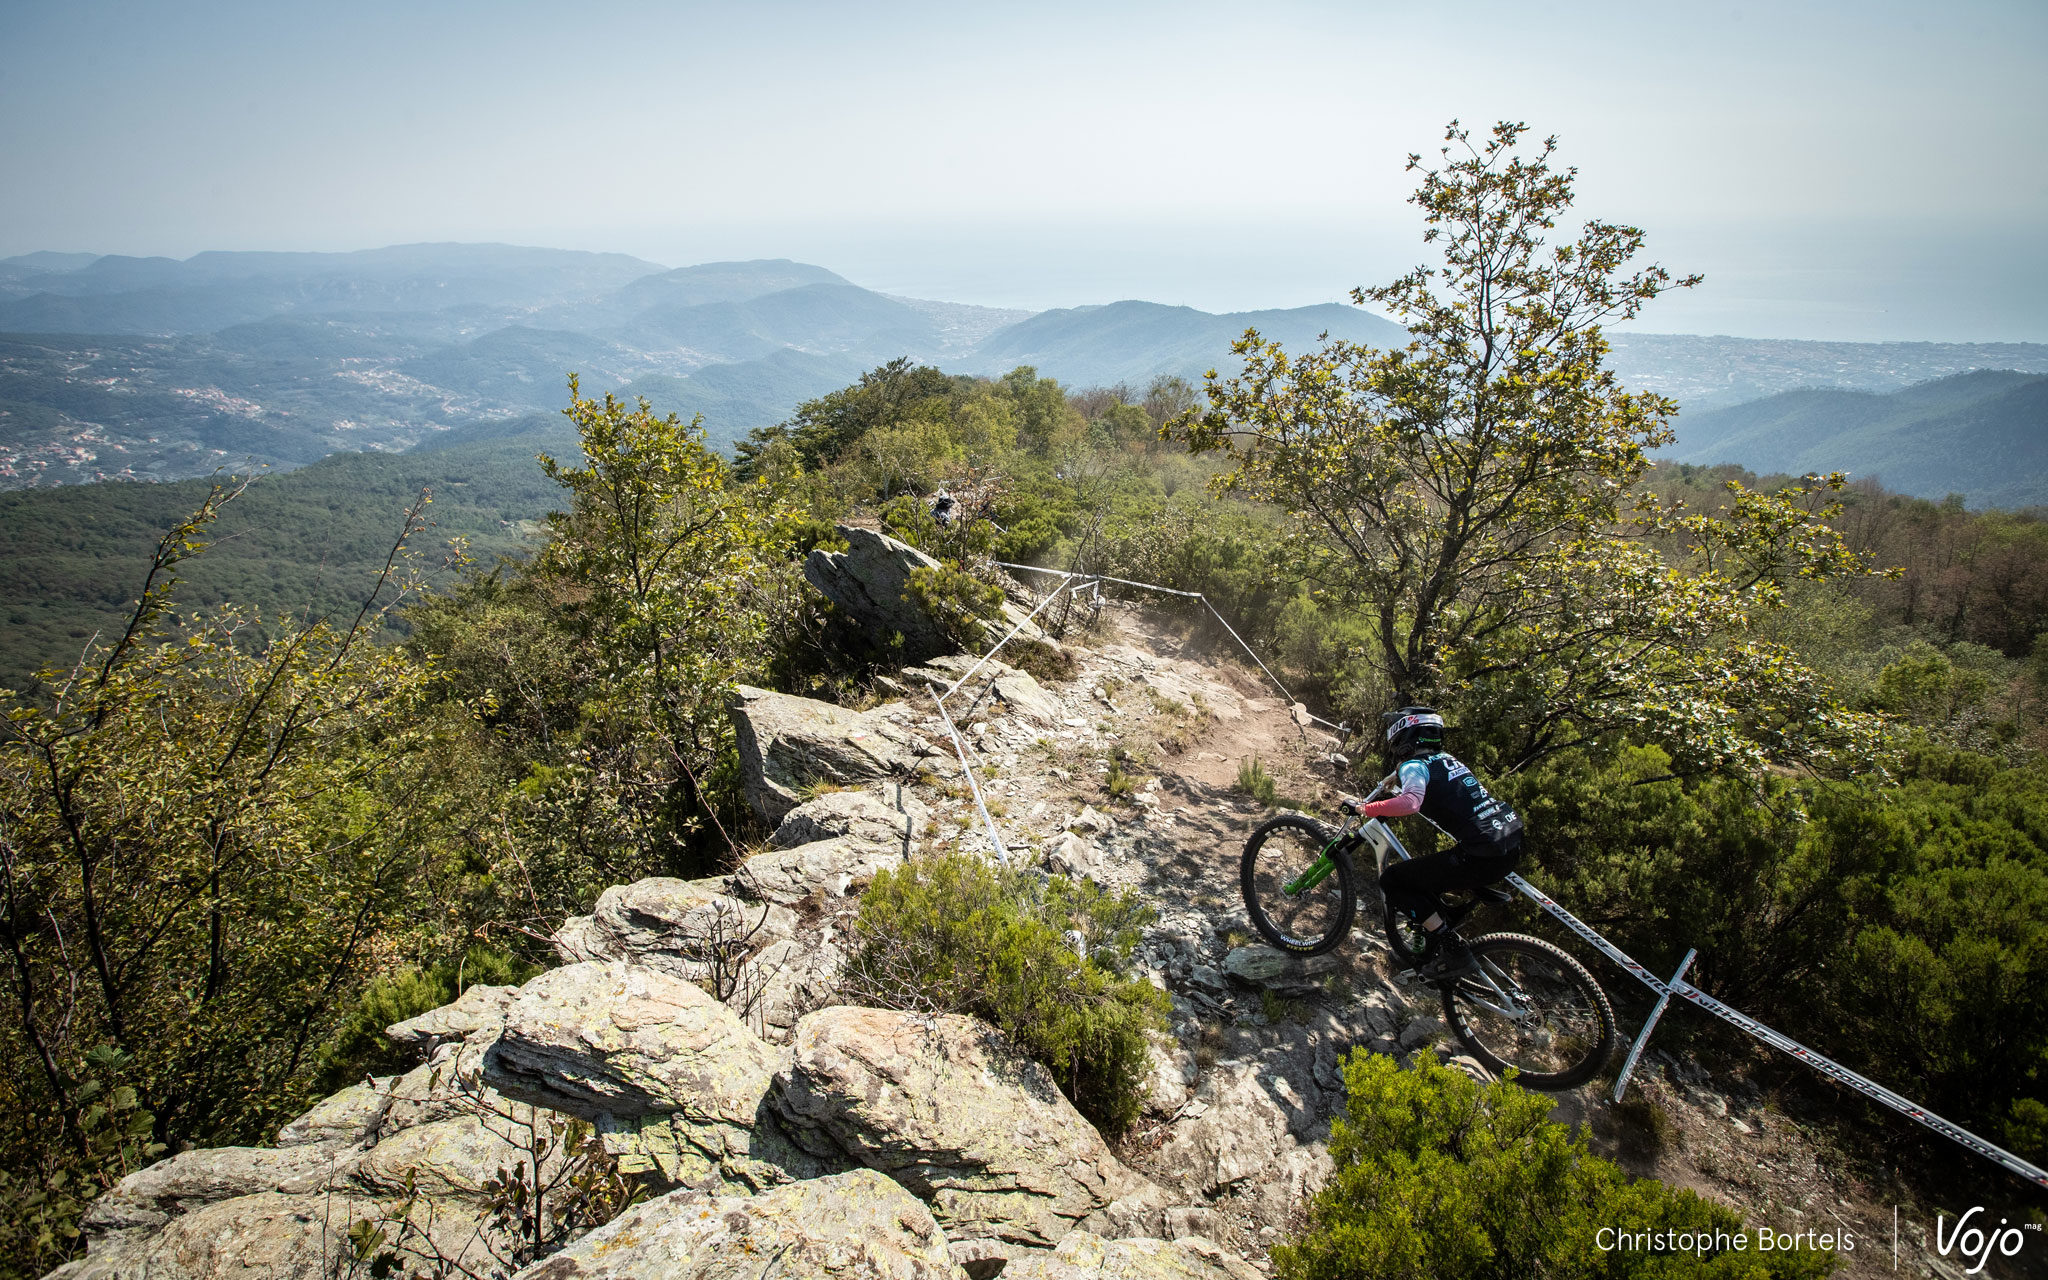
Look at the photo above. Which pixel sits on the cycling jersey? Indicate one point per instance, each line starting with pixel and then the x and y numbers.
pixel 1443 790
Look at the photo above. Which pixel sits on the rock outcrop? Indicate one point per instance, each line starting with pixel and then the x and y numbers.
pixel 888 821
pixel 672 1078
pixel 1083 1255
pixel 951 1109
pixel 787 743
pixel 856 1224
pixel 867 582
pixel 685 928
pixel 1015 691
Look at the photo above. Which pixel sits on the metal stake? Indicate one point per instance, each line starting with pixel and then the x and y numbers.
pixel 1643 1037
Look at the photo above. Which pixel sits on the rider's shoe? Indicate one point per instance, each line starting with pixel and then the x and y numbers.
pixel 1449 957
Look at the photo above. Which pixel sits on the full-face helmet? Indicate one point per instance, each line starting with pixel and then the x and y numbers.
pixel 1413 731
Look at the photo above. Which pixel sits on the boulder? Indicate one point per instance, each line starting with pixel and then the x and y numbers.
pixel 1280 971
pixel 620 1039
pixel 268 1234
pixel 1232 1131
pixel 952 1110
pixel 190 1180
pixel 1016 690
pixel 478 1010
pixel 352 1116
pixel 1084 1255
pixel 682 927
pixel 862 815
pixel 1076 857
pixel 867 582
pixel 834 868
pixel 786 742
pixel 672 1078
pixel 856 1224
pixel 455 1157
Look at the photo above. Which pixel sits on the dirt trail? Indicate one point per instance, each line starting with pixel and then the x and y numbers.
pixel 1245 1092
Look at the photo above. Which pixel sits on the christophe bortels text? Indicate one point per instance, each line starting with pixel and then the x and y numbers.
pixel 1702 1243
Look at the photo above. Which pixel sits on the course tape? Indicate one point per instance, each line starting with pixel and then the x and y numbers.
pixel 1778 1040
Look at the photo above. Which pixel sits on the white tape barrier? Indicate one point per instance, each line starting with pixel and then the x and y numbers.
pixel 1186 595
pixel 1777 1040
pixel 966 767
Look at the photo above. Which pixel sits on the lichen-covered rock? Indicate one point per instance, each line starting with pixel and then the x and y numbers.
pixel 673 1079
pixel 787 742
pixel 265 1236
pixel 867 583
pixel 621 1039
pixel 677 926
pixel 457 1156
pixel 863 815
pixel 352 1116
pixel 834 868
pixel 1084 1255
pixel 955 1112
pixel 184 1183
pixel 479 1010
pixel 856 1225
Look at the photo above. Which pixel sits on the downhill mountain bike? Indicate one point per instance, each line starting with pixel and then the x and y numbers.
pixel 1529 1006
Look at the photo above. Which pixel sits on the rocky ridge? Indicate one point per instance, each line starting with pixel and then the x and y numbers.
pixel 693 1030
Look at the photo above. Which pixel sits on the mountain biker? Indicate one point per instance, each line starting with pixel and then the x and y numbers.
pixel 1442 789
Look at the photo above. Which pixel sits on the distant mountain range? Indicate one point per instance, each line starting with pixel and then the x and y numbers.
pixel 1983 435
pixel 154 368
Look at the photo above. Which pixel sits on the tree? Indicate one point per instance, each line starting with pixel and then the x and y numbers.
pixel 669 574
pixel 1469 493
pixel 205 838
pixel 821 429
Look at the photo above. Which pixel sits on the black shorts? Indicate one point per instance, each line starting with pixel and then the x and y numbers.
pixel 1414 886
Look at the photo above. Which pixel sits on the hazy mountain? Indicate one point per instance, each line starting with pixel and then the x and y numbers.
pixel 1133 341
pixel 209 291
pixel 736 398
pixel 1983 435
pixel 722 282
pixel 281 358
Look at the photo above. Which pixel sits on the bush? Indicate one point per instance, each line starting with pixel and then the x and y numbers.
pixel 961 603
pixel 360 1048
pixel 949 933
pixel 1439 1176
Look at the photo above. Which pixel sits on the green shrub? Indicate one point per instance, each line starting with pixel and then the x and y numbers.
pixel 1254 781
pixel 961 602
pixel 360 1048
pixel 1439 1176
pixel 949 933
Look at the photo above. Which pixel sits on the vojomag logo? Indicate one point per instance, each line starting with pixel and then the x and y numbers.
pixel 1977 1243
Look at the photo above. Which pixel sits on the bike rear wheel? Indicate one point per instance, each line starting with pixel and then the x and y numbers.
pixel 1534 1008
pixel 1314 919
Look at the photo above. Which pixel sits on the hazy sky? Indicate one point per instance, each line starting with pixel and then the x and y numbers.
pixel 1859 170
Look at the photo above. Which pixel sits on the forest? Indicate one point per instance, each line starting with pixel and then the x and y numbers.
pixel 1796 722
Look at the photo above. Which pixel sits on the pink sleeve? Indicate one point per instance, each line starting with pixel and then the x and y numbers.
pixel 1405 801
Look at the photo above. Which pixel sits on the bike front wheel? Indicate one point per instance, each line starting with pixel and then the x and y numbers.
pixel 1306 919
pixel 1534 1008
